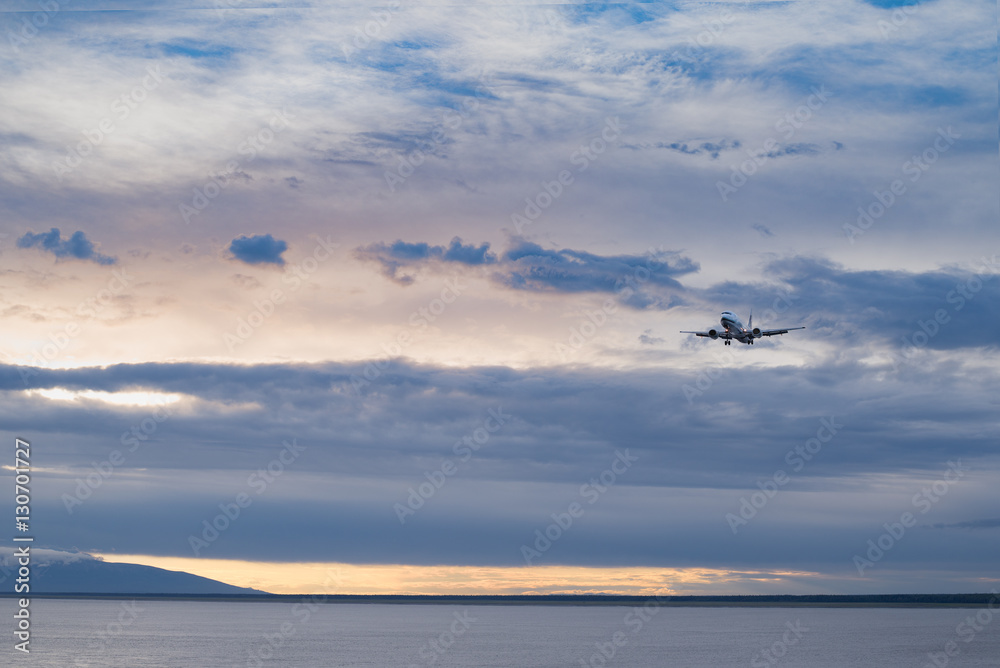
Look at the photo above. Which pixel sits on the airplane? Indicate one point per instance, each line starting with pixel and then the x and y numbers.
pixel 732 328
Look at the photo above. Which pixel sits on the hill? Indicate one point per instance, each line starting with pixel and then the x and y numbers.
pixel 54 571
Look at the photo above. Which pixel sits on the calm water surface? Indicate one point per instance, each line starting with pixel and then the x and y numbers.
pixel 208 634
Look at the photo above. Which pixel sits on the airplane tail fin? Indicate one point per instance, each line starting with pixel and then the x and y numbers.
pixel 750 322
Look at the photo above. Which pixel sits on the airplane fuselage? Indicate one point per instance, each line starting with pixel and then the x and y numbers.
pixel 734 327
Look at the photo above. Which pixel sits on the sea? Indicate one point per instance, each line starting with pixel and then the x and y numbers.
pixel 196 634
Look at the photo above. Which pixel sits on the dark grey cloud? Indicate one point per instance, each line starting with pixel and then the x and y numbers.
pixel 570 417
pixel 791 149
pixel 401 255
pixel 942 309
pixel 713 148
pixel 258 249
pixel 77 246
pixel 716 148
pixel 366 445
pixel 640 281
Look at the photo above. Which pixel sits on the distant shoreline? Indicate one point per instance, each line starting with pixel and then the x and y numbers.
pixel 808 601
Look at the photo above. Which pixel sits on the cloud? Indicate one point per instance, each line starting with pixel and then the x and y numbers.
pixel 640 281
pixel 693 147
pixel 559 74
pixel 941 309
pixel 365 449
pixel 890 4
pixel 258 249
pixel 647 338
pixel 45 557
pixel 993 523
pixel 401 255
pixel 571 417
pixel 713 149
pixel 245 282
pixel 77 246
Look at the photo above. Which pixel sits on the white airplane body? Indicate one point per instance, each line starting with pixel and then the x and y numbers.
pixel 732 328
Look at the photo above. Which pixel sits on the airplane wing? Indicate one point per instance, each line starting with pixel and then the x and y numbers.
pixel 718 334
pixel 772 332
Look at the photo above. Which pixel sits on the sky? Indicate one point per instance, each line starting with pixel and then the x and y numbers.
pixel 387 298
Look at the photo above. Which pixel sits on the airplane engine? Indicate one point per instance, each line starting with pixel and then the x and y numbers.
pixel 714 334
pixel 756 332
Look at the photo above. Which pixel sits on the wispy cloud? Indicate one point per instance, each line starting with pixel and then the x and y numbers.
pixel 993 523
